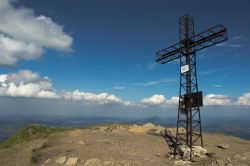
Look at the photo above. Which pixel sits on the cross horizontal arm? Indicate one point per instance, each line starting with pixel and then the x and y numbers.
pixel 212 36
pixel 168 54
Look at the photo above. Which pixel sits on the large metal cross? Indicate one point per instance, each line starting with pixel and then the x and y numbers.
pixel 190 99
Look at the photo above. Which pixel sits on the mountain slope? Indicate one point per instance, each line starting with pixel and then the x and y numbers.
pixel 121 145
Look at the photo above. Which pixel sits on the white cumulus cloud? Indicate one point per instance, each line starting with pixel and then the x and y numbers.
pixel 244 100
pixel 24 36
pixel 160 100
pixel 217 100
pixel 92 98
pixel 26 83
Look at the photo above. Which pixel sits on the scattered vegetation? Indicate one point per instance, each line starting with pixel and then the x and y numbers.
pixel 35 156
pixel 28 133
pixel 93 127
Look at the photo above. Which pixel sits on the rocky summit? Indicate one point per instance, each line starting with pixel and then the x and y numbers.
pixel 120 145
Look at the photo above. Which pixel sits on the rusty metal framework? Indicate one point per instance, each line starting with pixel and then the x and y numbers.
pixel 190 98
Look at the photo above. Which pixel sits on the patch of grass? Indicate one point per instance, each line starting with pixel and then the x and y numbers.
pixel 35 156
pixel 28 133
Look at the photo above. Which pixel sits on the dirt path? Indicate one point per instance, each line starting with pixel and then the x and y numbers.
pixel 122 148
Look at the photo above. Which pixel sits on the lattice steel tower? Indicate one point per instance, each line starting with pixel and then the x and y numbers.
pixel 190 98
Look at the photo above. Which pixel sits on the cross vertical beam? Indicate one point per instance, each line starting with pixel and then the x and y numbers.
pixel 187 113
pixel 190 98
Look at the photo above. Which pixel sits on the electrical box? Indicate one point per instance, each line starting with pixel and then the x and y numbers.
pixel 194 99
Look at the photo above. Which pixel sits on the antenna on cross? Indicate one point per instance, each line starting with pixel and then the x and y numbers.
pixel 190 98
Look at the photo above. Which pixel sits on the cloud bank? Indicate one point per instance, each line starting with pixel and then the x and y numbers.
pixel 24 36
pixel 25 83
pixel 91 98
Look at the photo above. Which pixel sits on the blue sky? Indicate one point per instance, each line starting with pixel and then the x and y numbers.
pixel 114 44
